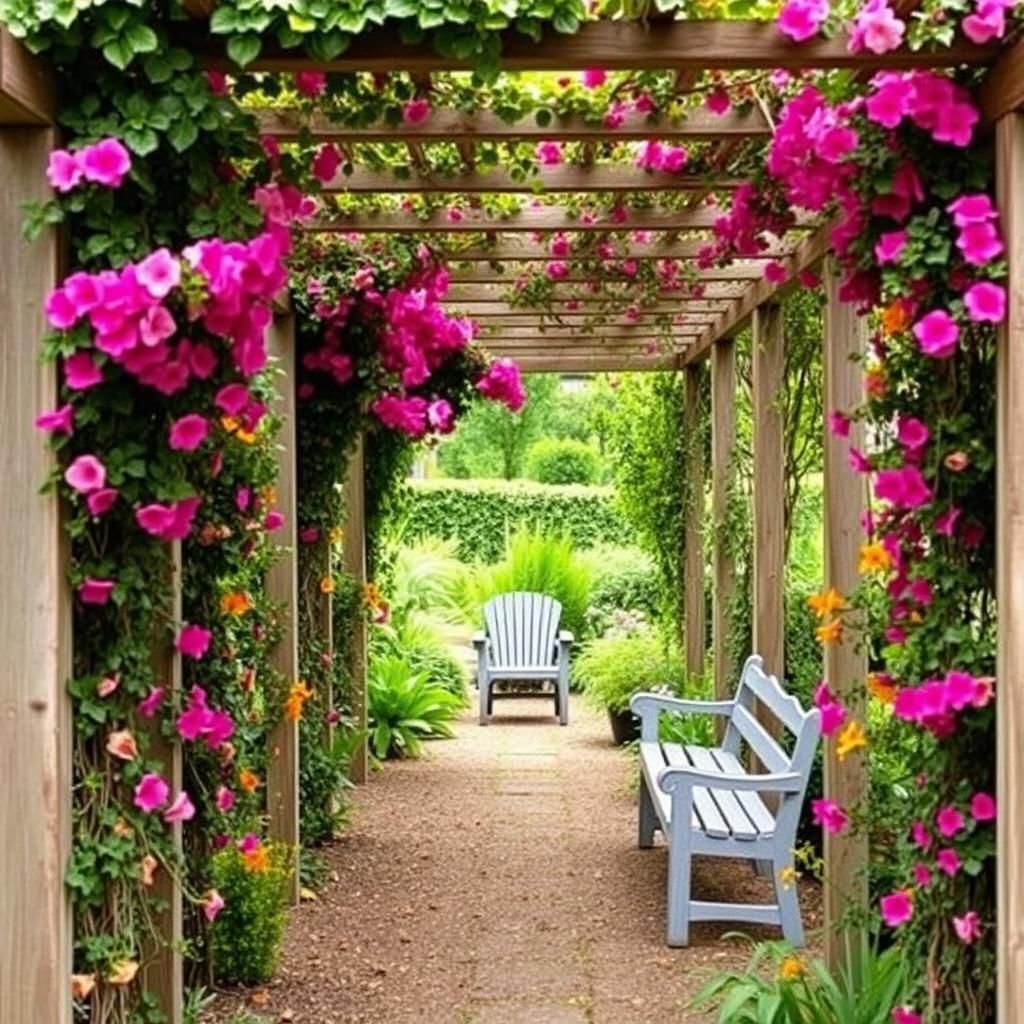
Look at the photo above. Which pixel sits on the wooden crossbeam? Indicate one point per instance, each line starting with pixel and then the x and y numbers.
pixel 520 248
pixel 481 278
pixel 494 317
pixel 444 125
pixel 28 91
pixel 614 45
pixel 566 178
pixel 1002 91
pixel 573 364
pixel 639 333
pixel 473 308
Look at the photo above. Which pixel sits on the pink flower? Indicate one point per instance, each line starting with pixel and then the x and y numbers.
pixel 105 162
pixel 802 19
pixel 985 302
pixel 829 815
pixel 775 272
pixel 311 83
pixel 151 793
pixel 979 242
pixel 897 908
pixel 416 111
pixel 217 81
pixel 905 1015
pixel 63 170
pixel 922 874
pixel 983 807
pixel 949 821
pixel 945 524
pixel 101 501
pixel 188 432
pixel 968 927
pixel 556 270
pixel 441 416
pixel 249 842
pixel 309 535
pixel 833 713
pixel 225 799
pixel 149 705
pixel 182 809
pixel 94 591
pixel 232 399
pixel 501 383
pixel 890 246
pixel 81 371
pixel 593 78
pixel 876 28
pixel 919 834
pixel 718 102
pixel 948 861
pixel 937 334
pixel 326 163
pixel 86 474
pixel 273 520
pixel 213 904
pixel 60 310
pixel 409 415
pixel 159 273
pixel 548 153
pixel 808 279
pixel 987 22
pixel 560 247
pixel 59 421
pixel 902 488
pixel 912 434
pixel 838 424
pixel 121 744
pixel 193 641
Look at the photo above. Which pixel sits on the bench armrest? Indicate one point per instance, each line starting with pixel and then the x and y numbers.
pixel 672 778
pixel 479 638
pixel 644 704
pixel 565 636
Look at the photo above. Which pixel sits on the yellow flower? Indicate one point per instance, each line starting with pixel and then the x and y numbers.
pixel 335 535
pixel 298 694
pixel 873 558
pixel 245 436
pixel 256 860
pixel 792 968
pixel 248 780
pixel 229 423
pixel 270 495
pixel 788 876
pixel 327 585
pixel 851 738
pixel 123 972
pixel 371 594
pixel 830 632
pixel 825 603
pixel 881 687
pixel 235 603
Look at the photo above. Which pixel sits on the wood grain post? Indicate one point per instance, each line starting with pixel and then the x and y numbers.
pixel 354 557
pixel 165 971
pixel 1010 579
pixel 723 445
pixel 693 565
pixel 283 590
pixel 845 498
pixel 35 620
pixel 769 568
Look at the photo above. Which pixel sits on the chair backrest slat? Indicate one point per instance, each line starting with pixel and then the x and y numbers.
pixel 522 628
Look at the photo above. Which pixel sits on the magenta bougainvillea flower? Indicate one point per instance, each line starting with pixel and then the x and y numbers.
pixel 326 163
pixel 897 908
pixel 194 641
pixel 902 488
pixel 593 78
pixel 948 861
pixel 548 153
pixel 225 799
pixel 310 83
pixel 985 302
pixel 829 815
pixel 59 421
pixel 949 821
pixel 188 432
pixel 213 903
pixel 905 1015
pixel 802 19
pixel 501 383
pixel 151 793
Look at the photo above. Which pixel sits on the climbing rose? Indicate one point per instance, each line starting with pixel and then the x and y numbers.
pixel 937 334
pixel 949 821
pixel 718 102
pixel 985 302
pixel 188 432
pixel 105 162
pixel 897 908
pixel 548 153
pixel 193 641
pixel 829 815
pixel 326 163
pixel 948 861
pixel 101 501
pixel 802 19
pixel 594 78
pixel 556 270
pixel 86 474
pixel 983 807
pixel 415 111
pixel 968 927
pixel 151 793
pixel 63 170
pixel 121 744
pixel 311 83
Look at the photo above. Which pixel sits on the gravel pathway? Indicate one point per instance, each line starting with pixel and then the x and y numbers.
pixel 497 881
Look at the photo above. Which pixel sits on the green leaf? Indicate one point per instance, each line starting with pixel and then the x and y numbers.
pixel 119 53
pixel 183 134
pixel 245 49
pixel 542 117
pixel 223 20
pixel 566 23
pixel 141 38
pixel 400 8
pixel 142 141
pixel 430 19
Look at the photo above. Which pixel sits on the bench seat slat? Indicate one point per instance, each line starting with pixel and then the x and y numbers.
pixel 732 810
pixel 762 819
pixel 711 820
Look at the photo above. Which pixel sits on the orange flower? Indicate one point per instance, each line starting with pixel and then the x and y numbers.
pixel 229 423
pixel 882 687
pixel 123 972
pixel 82 986
pixel 232 426
pixel 873 558
pixel 248 780
pixel 372 594
pixel 270 495
pixel 830 632
pixel 148 867
pixel 895 318
pixel 256 860
pixel 826 603
pixel 874 383
pixel 850 739
pixel 298 694
pixel 235 603
pixel 327 585
pixel 123 829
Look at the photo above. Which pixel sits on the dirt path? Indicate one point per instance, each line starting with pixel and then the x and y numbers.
pixel 498 882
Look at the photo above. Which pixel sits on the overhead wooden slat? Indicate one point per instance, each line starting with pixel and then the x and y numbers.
pixel 518 314
pixel 444 125
pixel 641 334
pixel 598 364
pixel 28 91
pixel 613 45
pixel 534 218
pixel 482 275
pixel 497 295
pixel 564 178
pixel 512 248
pixel 524 348
pixel 1002 91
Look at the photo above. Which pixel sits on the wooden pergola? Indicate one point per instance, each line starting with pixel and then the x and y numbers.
pixel 35 643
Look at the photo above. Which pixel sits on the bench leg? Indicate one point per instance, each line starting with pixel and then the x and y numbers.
pixel 679 866
pixel 789 906
pixel 648 818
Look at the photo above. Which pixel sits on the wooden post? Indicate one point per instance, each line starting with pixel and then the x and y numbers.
pixel 723 444
pixel 355 565
pixel 35 620
pixel 1009 579
pixel 693 567
pixel 846 855
pixel 165 973
pixel 283 589
pixel 769 489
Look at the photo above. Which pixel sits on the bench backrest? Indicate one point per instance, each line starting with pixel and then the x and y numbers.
pixel 522 628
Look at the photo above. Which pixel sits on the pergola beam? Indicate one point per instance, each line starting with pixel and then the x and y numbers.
pixel 615 46
pixel 482 280
pixel 565 178
pixel 445 125
pixel 587 304
pixel 598 364
pixel 1002 91
pixel 491 316
pixel 28 92
pixel 514 248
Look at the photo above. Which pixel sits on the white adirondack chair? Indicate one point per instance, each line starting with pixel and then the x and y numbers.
pixel 704 801
pixel 522 642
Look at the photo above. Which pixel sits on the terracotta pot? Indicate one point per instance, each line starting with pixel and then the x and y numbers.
pixel 625 726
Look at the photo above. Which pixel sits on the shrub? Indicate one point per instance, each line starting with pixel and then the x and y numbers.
pixel 480 515
pixel 625 580
pixel 542 564
pixel 246 936
pixel 612 668
pixel 562 461
pixel 415 639
pixel 404 708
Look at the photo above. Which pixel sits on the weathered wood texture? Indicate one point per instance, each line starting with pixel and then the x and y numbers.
pixel 723 446
pixel 35 625
pixel 617 46
pixel 693 528
pixel 165 971
pixel 445 125
pixel 639 333
pixel 28 94
pixel 1002 91
pixel 354 557
pixel 1010 579
pixel 571 363
pixel 511 248
pixel 283 590
pixel 769 491
pixel 846 854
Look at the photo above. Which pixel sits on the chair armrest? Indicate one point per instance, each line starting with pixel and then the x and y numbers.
pixel 645 704
pixel 479 638
pixel 565 636
pixel 672 778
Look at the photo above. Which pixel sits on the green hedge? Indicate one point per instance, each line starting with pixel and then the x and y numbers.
pixel 479 515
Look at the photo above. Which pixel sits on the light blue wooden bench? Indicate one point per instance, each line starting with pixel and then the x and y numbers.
pixel 705 803
pixel 523 643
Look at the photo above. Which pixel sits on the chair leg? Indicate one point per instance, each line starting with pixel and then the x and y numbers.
pixel 563 700
pixel 789 906
pixel 679 866
pixel 648 817
pixel 485 700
